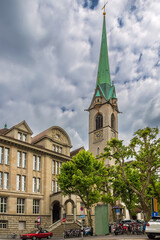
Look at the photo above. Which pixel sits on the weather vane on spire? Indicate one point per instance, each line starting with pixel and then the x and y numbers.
pixel 104 13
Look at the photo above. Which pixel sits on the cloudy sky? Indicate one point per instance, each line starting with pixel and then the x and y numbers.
pixel 49 53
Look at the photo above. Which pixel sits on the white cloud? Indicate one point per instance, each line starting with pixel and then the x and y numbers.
pixel 49 52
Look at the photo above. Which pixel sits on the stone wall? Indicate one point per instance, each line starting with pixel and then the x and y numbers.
pixel 29 222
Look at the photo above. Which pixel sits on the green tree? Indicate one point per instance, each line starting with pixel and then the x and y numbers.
pixel 115 188
pixel 139 174
pixel 81 177
pixel 124 192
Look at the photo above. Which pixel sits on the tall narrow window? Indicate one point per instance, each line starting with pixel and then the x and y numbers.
pixel 57 149
pixel 1 179
pixel 24 137
pixel 18 182
pixel 18 159
pixel 6 180
pixel 99 121
pixel 38 184
pixel 3 204
pixel 34 184
pixel 35 206
pixel 38 163
pixel 20 205
pixel 113 125
pixel 23 160
pixel 57 187
pixel 23 183
pixel 19 136
pixel 53 186
pixel 53 167
pixel 6 158
pixel 34 162
pixel 60 165
pixel 1 154
pixel 56 168
pixel 60 149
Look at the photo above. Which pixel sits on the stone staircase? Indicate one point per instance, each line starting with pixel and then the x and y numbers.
pixel 58 227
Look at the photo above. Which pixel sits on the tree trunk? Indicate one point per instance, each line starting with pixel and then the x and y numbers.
pixel 89 217
pixel 130 213
pixel 113 212
pixel 146 209
pixel 114 215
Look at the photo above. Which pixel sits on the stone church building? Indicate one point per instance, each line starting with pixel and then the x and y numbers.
pixel 29 192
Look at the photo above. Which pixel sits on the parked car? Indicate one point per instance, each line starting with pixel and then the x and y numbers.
pixel 153 227
pixel 37 235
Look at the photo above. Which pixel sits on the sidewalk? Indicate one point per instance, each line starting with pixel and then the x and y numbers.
pixel 106 237
pixel 111 237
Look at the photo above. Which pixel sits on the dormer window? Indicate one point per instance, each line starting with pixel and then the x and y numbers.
pixel 22 137
pixel 53 147
pixel 19 136
pixel 57 149
pixel 60 149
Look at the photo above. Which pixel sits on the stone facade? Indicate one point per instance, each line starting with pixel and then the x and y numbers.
pixel 28 178
pixel 109 129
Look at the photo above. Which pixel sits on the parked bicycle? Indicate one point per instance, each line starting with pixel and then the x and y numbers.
pixel 132 227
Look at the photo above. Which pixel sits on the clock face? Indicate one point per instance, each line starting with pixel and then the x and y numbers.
pixel 98 135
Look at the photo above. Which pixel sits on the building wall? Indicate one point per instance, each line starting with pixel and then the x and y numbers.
pixel 46 175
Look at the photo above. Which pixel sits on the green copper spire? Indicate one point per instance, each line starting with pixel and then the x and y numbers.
pixel 103 75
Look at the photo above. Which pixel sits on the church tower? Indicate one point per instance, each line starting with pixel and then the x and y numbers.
pixel 103 110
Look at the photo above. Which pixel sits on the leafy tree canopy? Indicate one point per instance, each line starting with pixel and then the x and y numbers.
pixel 139 174
pixel 81 177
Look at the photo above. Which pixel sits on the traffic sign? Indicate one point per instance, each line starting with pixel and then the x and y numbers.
pixel 38 220
pixel 154 214
pixel 64 219
pixel 82 216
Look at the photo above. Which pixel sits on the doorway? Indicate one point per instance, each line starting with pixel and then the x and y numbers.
pixel 56 212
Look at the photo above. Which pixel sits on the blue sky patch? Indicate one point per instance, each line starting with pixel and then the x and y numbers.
pixel 159 52
pixel 140 57
pixel 133 8
pixel 120 22
pixel 117 69
pixel 89 3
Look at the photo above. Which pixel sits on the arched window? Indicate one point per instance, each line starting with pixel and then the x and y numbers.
pixel 99 121
pixel 113 122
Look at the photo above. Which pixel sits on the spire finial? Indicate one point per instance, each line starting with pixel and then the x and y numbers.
pixel 5 125
pixel 104 13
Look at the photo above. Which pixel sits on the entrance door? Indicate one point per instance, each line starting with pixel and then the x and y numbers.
pixel 56 212
pixel 101 220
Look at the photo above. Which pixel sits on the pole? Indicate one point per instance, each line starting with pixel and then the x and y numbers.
pixel 82 230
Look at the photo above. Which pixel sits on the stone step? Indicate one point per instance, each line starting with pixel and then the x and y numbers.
pixel 58 232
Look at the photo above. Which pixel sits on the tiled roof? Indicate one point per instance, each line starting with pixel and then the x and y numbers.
pixel 3 131
pixel 39 136
pixel 76 151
